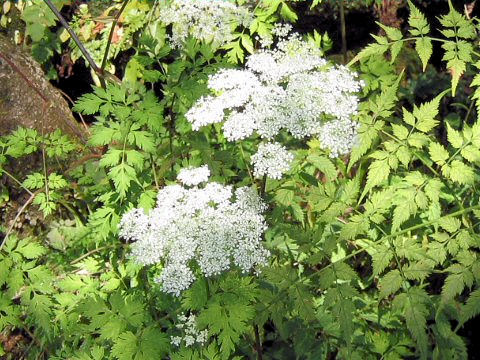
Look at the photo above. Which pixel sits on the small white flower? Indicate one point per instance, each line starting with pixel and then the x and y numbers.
pixel 191 334
pixel 289 88
pixel 175 340
pixel 211 226
pixel 338 136
pixel 193 176
pixel 211 21
pixel 271 159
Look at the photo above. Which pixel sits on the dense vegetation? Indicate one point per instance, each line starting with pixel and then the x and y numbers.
pixel 241 194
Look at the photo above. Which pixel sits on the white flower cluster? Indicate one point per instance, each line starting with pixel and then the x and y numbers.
pixel 289 88
pixel 191 335
pixel 207 20
pixel 271 159
pixel 199 227
pixel 194 176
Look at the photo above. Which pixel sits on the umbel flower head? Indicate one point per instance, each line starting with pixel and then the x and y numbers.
pixel 271 159
pixel 290 88
pixel 206 20
pixel 190 334
pixel 205 228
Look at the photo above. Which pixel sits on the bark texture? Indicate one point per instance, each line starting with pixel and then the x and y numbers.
pixel 28 99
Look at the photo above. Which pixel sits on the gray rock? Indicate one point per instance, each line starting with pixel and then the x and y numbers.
pixel 27 98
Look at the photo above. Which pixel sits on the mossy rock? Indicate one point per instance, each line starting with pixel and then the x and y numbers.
pixel 27 99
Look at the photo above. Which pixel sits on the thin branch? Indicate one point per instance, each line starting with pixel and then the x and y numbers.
pixel 65 95
pixel 101 74
pixel 91 252
pixel 22 209
pixel 343 31
pixel 16 180
pixel 258 343
pixel 110 36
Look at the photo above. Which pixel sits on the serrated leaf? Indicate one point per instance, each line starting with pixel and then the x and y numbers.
pixel 378 171
pixel 56 181
pixel 425 114
pixel 456 67
pixel 450 224
pixel 122 175
pixel 418 270
pixel 247 43
pixel 102 135
pixel 125 346
pixel 453 286
pixel 88 104
pixel 414 306
pixel 424 49
pixel 454 137
pixel 323 164
pixel 111 157
pixel 459 172
pixel 401 132
pixel 389 284
pixel 418 140
pixel 34 181
pixel 195 297
pixel 417 21
pixel 381 258
pixel 438 153
pixel 371 50
pixel 402 213
pixel 30 249
pixel 392 33
pixel 471 308
pixel 471 153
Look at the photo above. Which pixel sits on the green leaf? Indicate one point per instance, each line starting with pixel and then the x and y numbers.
pixel 378 171
pixel 111 157
pixel 196 296
pixel 88 104
pixel 456 68
pixel 417 21
pixel 414 306
pixel 424 49
pixel 389 284
pixel 56 181
pixel 102 135
pixel 30 249
pixel 425 114
pixel 471 153
pixel 247 43
pixel 392 33
pixel 125 347
pixel 438 153
pixel 370 50
pixel 418 270
pixel 34 181
pixel 122 175
pixel 449 224
pixel 454 137
pixel 287 13
pixel 401 132
pixel 459 172
pixel 381 258
pixel 323 164
pixel 471 308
